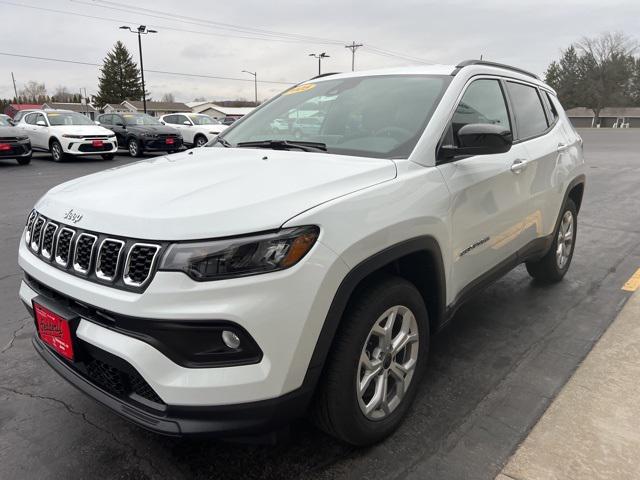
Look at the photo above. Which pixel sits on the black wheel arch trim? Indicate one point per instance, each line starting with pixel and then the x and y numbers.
pixel 360 272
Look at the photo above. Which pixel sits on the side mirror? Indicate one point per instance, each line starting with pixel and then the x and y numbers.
pixel 479 139
pixel 41 123
pixel 96 122
pixel 187 123
pixel 162 122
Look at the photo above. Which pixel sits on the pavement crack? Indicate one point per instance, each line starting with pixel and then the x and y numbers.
pixel 14 334
pixel 131 448
pixel 4 277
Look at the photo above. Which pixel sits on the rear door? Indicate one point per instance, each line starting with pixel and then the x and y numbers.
pixel 540 133
pixel 487 200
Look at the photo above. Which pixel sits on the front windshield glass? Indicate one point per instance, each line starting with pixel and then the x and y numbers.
pixel 139 119
pixel 57 119
pixel 377 116
pixel 4 121
pixel 203 120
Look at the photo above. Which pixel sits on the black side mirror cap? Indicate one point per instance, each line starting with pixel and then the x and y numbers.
pixel 479 139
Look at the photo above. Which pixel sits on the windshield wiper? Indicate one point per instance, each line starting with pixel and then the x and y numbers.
pixel 285 145
pixel 223 142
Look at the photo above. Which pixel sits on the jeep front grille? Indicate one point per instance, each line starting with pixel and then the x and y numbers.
pixel 127 264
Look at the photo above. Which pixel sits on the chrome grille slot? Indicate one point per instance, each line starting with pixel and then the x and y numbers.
pixel 140 262
pixel 48 238
pixel 63 246
pixel 36 235
pixel 83 253
pixel 30 220
pixel 108 260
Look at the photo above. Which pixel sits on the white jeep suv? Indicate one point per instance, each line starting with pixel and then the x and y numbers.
pixel 66 133
pixel 227 290
pixel 197 129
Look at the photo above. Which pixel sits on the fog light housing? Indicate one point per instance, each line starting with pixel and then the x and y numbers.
pixel 230 339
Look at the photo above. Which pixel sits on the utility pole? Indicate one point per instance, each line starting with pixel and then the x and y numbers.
pixel 353 47
pixel 141 30
pixel 319 56
pixel 15 90
pixel 255 83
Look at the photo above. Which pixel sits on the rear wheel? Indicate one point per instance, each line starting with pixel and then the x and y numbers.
pixel 135 149
pixel 56 151
pixel 376 361
pixel 24 160
pixel 554 265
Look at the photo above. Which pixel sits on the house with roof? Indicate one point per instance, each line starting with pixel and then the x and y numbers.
pixel 86 109
pixel 610 117
pixel 14 108
pixel 155 109
pixel 218 111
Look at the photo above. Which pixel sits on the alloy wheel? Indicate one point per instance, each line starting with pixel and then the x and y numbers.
pixel 56 152
pixel 201 142
pixel 387 362
pixel 564 242
pixel 133 148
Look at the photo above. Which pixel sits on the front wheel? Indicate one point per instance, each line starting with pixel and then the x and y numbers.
pixel 374 366
pixel 201 141
pixel 24 160
pixel 108 156
pixel 135 149
pixel 56 151
pixel 554 265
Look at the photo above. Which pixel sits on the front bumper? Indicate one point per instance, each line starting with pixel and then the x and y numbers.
pixel 73 146
pixel 159 144
pixel 229 420
pixel 18 149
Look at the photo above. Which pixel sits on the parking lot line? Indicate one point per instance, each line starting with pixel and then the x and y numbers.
pixel 633 283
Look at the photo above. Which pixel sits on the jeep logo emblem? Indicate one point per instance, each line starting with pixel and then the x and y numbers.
pixel 72 216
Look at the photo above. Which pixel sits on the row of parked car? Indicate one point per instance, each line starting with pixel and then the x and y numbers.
pixel 64 133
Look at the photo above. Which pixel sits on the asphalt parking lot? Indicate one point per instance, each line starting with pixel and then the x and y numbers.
pixel 493 371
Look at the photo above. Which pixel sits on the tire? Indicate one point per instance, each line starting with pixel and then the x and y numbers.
pixel 134 147
pixel 108 156
pixel 200 141
pixel 554 265
pixel 340 408
pixel 24 160
pixel 56 151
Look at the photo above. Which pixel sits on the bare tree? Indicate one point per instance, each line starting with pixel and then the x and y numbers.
pixel 33 90
pixel 606 64
pixel 62 94
pixel 168 97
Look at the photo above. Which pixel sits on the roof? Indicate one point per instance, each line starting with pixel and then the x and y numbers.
pixel 25 106
pixel 159 106
pixel 605 112
pixel 195 104
pixel 224 110
pixel 74 107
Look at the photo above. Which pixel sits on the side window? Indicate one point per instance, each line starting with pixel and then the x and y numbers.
pixel 40 117
pixel 30 119
pixel 551 108
pixel 117 120
pixel 180 119
pixel 482 102
pixel 528 110
pixel 105 119
pixel 173 119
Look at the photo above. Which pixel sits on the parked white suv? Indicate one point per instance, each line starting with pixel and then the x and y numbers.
pixel 231 289
pixel 66 133
pixel 197 129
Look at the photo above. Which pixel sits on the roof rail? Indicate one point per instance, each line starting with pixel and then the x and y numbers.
pixel 325 75
pixel 466 63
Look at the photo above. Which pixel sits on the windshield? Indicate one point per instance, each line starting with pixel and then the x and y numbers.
pixel 379 116
pixel 4 121
pixel 203 120
pixel 68 118
pixel 139 119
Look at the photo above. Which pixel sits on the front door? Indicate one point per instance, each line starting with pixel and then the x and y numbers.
pixel 487 209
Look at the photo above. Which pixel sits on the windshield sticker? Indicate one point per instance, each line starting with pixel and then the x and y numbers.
pixel 54 114
pixel 300 88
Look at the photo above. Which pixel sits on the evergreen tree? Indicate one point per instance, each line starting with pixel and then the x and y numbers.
pixel 120 77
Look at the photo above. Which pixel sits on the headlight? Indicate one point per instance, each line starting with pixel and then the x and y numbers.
pixel 236 257
pixel 66 135
pixel 214 133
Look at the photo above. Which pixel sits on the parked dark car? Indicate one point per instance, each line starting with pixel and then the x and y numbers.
pixel 15 144
pixel 139 132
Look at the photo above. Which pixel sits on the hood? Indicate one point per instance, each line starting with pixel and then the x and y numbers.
pixel 153 129
pixel 210 192
pixel 81 130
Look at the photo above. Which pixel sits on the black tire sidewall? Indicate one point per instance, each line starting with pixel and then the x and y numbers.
pixel 568 206
pixel 53 156
pixel 138 148
pixel 351 421
pixel 24 160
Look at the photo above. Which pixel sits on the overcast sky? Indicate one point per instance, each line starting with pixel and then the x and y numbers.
pixel 525 33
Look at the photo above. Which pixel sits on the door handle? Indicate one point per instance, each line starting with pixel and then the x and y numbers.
pixel 519 165
pixel 562 147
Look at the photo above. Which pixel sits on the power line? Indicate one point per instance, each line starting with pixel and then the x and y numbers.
pixel 353 47
pixel 163 72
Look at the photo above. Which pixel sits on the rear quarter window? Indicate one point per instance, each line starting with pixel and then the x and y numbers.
pixel 528 110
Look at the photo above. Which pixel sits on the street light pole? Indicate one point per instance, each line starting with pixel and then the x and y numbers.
pixel 141 30
pixel 319 56
pixel 255 83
